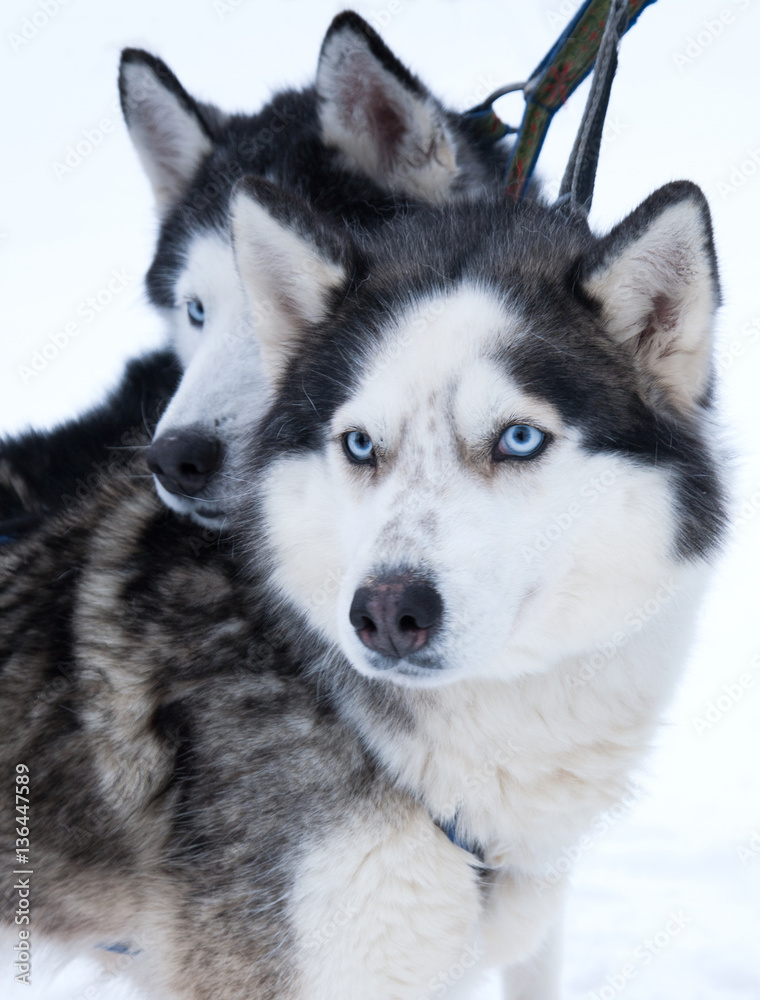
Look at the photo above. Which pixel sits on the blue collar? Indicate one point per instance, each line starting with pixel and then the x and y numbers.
pixel 473 848
pixel 120 948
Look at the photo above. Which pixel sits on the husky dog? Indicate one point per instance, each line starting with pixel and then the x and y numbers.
pixel 347 775
pixel 363 144
pixel 367 141
pixel 487 480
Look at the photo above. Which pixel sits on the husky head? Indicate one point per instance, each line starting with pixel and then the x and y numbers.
pixel 361 144
pixel 489 442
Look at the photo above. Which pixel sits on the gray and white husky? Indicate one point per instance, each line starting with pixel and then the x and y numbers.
pixel 365 142
pixel 482 507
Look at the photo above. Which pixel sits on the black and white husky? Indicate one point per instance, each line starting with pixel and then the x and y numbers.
pixel 481 510
pixel 487 483
pixel 365 142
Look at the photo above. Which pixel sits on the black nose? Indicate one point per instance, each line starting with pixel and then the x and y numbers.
pixel 184 462
pixel 394 615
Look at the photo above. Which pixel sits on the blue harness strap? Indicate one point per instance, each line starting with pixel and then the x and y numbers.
pixel 563 68
pixel 13 528
pixel 450 829
pixel 120 948
pixel 556 77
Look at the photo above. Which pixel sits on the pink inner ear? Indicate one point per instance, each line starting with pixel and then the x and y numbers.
pixel 661 322
pixel 366 104
pixel 666 312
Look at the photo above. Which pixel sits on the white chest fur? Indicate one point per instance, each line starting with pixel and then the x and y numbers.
pixel 525 765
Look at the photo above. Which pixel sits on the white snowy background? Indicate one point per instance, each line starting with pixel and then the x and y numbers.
pixel 686 104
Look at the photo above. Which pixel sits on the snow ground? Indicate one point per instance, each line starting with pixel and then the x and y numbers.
pixel 684 105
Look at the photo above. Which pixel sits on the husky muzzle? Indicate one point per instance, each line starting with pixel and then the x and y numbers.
pixel 395 614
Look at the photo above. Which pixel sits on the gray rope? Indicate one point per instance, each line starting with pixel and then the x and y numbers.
pixel 577 186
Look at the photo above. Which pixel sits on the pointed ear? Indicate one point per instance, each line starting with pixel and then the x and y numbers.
pixel 380 116
pixel 655 277
pixel 169 129
pixel 291 264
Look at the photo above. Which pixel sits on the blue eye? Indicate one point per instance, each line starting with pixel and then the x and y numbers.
pixel 520 441
pixel 195 312
pixel 359 447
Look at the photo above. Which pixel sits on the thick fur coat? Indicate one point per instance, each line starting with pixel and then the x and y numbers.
pixel 282 783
